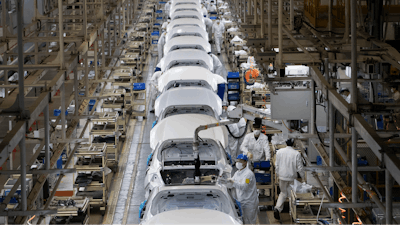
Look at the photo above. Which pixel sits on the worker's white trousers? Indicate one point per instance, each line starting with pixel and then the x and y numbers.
pixel 285 192
pixel 218 43
pixel 250 214
pixel 153 97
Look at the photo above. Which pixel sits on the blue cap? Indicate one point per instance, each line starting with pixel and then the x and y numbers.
pixel 242 156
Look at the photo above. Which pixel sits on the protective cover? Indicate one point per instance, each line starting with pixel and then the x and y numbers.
pixel 186 57
pixel 183 126
pixel 186 2
pixel 187 42
pixel 186 22
pixel 183 7
pixel 187 14
pixel 187 31
pixel 194 73
pixel 195 96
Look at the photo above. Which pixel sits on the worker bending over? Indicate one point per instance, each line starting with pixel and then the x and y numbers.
pixel 160 45
pixel 244 183
pixel 288 163
pixel 235 134
pixel 217 65
pixel 255 145
pixel 167 8
pixel 209 24
pixel 218 30
pixel 154 91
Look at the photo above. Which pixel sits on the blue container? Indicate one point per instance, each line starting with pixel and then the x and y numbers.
pixel 159 18
pixel 157 24
pixel 213 13
pixel 155 33
pixel 221 91
pixel 233 86
pixel 234 97
pixel 139 86
pixel 159 11
pixel 262 165
pixel 92 102
pixel 57 112
pixel 233 75
pixel 319 160
pixel 59 163
pixel 263 177
pixel 213 17
pixel 154 42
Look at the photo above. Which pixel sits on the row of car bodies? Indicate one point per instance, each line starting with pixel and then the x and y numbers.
pixel 187 99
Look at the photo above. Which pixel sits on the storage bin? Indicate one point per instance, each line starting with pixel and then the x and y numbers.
pixel 234 97
pixel 263 177
pixel 233 86
pixel 139 86
pixel 262 165
pixel 233 75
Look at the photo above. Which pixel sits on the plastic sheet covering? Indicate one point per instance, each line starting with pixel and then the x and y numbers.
pixel 236 39
pixel 190 73
pixel 183 126
pixel 240 52
pixel 188 96
pixel 186 57
pixel 233 29
pixel 187 42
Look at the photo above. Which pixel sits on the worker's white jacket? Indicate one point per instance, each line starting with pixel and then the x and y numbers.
pixel 288 163
pixel 259 148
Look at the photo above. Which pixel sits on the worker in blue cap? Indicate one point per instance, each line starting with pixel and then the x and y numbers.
pixel 244 183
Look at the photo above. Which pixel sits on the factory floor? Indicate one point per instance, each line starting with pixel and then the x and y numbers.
pixel 127 191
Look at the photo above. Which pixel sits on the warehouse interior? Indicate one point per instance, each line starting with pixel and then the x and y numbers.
pixel 90 110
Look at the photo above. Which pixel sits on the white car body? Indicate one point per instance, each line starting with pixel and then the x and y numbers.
pixel 183 127
pixel 186 31
pixel 187 14
pixel 190 76
pixel 187 42
pixel 176 1
pixel 172 163
pixel 170 205
pixel 188 100
pixel 184 7
pixel 186 57
pixel 184 22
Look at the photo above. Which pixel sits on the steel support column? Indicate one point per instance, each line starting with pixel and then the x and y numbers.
pixel 269 24
pixel 280 35
pixel 46 137
pixel 389 200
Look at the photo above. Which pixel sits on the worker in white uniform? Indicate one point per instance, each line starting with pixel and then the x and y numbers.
pixel 212 7
pixel 217 65
pixel 244 183
pixel 154 91
pixel 209 24
pixel 234 134
pixel 167 8
pixel 164 25
pixel 255 145
pixel 204 10
pixel 218 30
pixel 160 45
pixel 288 163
